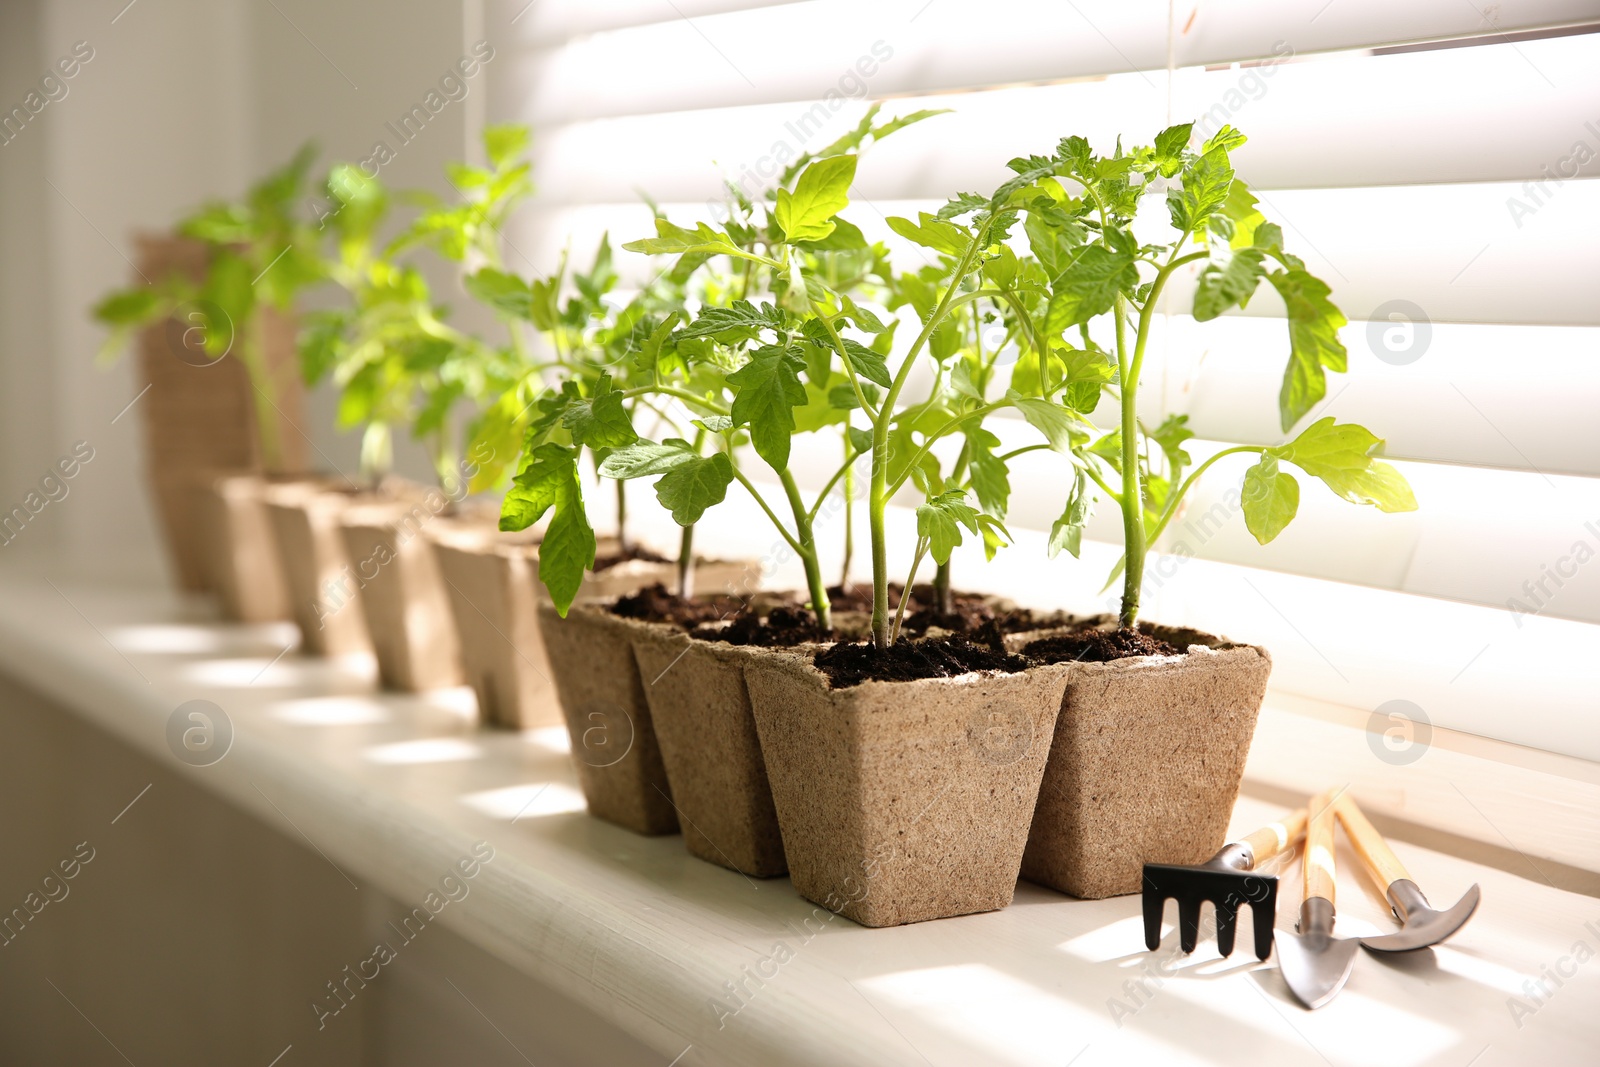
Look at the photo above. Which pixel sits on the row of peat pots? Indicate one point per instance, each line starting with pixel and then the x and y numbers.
pixel 991 742
pixel 898 801
pixel 431 588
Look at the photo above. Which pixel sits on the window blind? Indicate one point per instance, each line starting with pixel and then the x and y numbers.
pixel 1435 162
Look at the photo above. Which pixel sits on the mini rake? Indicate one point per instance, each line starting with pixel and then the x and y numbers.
pixel 1227 880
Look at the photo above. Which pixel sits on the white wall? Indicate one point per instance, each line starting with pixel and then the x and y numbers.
pixel 182 100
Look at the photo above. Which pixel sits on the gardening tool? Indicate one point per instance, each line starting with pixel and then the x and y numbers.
pixel 1227 880
pixel 1314 963
pixel 1420 924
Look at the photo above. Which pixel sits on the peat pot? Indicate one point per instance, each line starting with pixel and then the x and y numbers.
pixel 597 682
pixel 614 745
pixel 491 580
pixel 402 593
pixel 903 801
pixel 700 708
pixel 241 560
pixel 321 584
pixel 1146 763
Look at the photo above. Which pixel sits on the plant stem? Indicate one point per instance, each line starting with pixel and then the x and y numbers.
pixel 1132 497
pixel 1128 367
pixel 878 497
pixel 686 540
pixel 681 394
pixel 622 516
pixel 1172 504
pixel 807 547
pixel 686 563
pixel 905 593
pixel 943 602
pixel 265 389
pixel 849 511
pixel 377 453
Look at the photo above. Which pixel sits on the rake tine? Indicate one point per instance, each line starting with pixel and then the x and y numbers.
pixel 1226 917
pixel 1188 923
pixel 1152 920
pixel 1263 915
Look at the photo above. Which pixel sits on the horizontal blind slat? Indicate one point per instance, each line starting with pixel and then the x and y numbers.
pixel 1531 103
pixel 730 58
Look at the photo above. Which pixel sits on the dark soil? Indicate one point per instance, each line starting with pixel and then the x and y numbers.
pixel 1098 646
pixel 858 597
pixel 783 627
pixel 633 552
pixel 908 660
pixel 656 603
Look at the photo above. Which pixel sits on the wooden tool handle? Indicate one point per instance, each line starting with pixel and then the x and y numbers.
pixel 1375 853
pixel 1276 837
pixel 1319 846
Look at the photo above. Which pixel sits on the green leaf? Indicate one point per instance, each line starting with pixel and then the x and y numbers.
pixel 549 479
pixel 869 364
pixel 846 236
pixel 1086 371
pixel 645 458
pixel 821 193
pixel 991 478
pixel 1240 210
pixel 229 287
pixel 692 486
pixel 1170 436
pixel 1228 283
pixel 741 321
pixel 860 440
pixel 1170 145
pixel 506 293
pixel 862 317
pixel 934 233
pixel 1343 456
pixel 1271 499
pixel 1089 286
pixel 963 204
pixel 672 239
pixel 939 522
pixel 505 143
pixel 1314 343
pixel 598 420
pixel 715 423
pixel 130 307
pixel 1061 427
pixel 768 389
pixel 1226 139
pixel 1054 236
pixel 1067 531
pixel 1206 182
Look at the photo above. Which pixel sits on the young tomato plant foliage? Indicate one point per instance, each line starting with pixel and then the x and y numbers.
pixel 259 254
pixel 1086 227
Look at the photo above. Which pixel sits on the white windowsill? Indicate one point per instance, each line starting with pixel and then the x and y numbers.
pixel 394 789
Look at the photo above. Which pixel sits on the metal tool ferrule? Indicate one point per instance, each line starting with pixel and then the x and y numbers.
pixel 1316 916
pixel 1234 856
pixel 1405 897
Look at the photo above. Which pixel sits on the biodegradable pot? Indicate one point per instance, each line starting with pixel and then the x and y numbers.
pixel 1146 763
pixel 903 801
pixel 491 580
pixel 201 415
pixel 321 583
pixel 241 559
pixel 700 709
pixel 402 594
pixel 614 744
